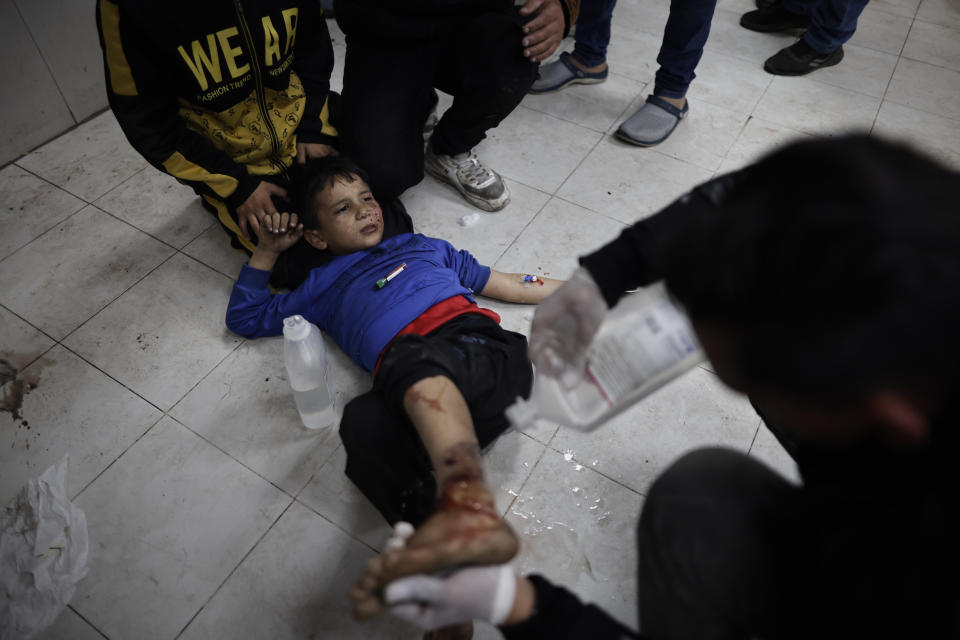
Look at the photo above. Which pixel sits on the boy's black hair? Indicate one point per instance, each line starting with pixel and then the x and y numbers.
pixel 834 269
pixel 316 176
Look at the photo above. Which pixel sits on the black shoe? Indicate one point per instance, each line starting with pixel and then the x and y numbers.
pixel 799 59
pixel 773 18
pixel 765 4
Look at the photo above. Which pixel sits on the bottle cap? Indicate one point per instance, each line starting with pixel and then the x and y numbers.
pixel 295 328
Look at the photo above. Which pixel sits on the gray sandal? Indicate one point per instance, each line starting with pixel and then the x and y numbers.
pixel 557 75
pixel 652 123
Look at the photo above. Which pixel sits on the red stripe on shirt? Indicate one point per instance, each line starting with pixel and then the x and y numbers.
pixel 437 315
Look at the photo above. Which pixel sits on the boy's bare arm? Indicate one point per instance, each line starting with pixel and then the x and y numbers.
pixel 271 245
pixel 519 287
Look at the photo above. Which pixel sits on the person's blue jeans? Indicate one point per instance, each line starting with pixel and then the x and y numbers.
pixel 832 22
pixel 680 51
pixel 593 32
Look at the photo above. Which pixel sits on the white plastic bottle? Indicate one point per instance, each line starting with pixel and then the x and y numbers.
pixel 308 371
pixel 645 341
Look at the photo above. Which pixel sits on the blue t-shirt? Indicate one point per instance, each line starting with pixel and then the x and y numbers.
pixel 342 297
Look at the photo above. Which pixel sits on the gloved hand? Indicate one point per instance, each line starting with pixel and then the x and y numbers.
pixel 563 326
pixel 474 593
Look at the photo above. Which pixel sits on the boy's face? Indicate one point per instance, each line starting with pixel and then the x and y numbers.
pixel 349 219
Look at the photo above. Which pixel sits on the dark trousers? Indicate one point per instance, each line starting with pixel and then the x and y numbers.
pixel 385 457
pixel 388 92
pixel 728 549
pixel 718 544
pixel 832 22
pixel 684 37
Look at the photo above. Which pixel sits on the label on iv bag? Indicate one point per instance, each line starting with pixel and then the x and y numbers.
pixel 644 345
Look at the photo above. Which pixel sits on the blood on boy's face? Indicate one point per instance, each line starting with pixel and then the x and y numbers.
pixel 349 218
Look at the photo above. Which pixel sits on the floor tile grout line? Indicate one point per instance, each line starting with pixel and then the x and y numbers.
pixel 232 277
pixel 326 460
pixel 726 154
pixel 915 108
pixel 167 414
pixel 607 130
pixel 602 135
pixel 112 300
pixel 55 137
pixel 46 64
pixel 886 89
pixel 523 485
pixel 117 297
pixel 900 58
pixel 231 456
pixel 234 570
pixel 144 231
pixel 120 184
pixel 35 328
pixel 131 391
pixel 240 343
pixel 522 230
pixel 32 172
pixel 605 215
pixel 211 221
pixel 336 525
pixel 756 434
pixel 43 233
pixel 116 459
pixel 568 121
pixel 506 249
pixel 73 608
pixel 200 262
pixel 586 155
pixel 573 458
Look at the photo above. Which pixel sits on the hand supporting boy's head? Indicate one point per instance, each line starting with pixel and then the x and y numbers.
pixel 338 210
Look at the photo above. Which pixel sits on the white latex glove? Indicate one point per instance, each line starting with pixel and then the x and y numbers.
pixel 474 593
pixel 563 327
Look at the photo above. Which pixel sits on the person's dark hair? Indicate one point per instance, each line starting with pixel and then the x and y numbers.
pixel 834 268
pixel 316 176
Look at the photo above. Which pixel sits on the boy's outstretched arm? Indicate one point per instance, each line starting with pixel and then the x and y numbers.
pixel 519 287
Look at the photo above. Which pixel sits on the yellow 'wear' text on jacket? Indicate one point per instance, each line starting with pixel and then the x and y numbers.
pixel 218 92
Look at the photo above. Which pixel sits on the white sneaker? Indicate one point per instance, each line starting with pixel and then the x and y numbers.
pixel 480 186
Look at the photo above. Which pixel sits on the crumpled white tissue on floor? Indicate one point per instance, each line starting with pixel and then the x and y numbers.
pixel 469 220
pixel 43 554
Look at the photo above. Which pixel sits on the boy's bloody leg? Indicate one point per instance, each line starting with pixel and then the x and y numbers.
pixel 466 528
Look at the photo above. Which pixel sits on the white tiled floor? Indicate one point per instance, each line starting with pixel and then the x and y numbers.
pixel 211 512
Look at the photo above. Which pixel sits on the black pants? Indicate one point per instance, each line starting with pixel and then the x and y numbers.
pixel 728 549
pixel 385 457
pixel 388 92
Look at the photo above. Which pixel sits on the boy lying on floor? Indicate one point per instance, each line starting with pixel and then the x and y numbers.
pixel 444 369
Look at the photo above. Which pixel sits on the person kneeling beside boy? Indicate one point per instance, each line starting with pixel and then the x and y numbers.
pixel 444 368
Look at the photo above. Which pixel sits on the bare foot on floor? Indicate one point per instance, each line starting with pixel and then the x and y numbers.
pixel 465 530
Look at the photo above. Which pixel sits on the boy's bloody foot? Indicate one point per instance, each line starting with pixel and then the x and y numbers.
pixel 465 530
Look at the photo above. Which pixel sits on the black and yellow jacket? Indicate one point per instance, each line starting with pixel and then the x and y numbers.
pixel 218 92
